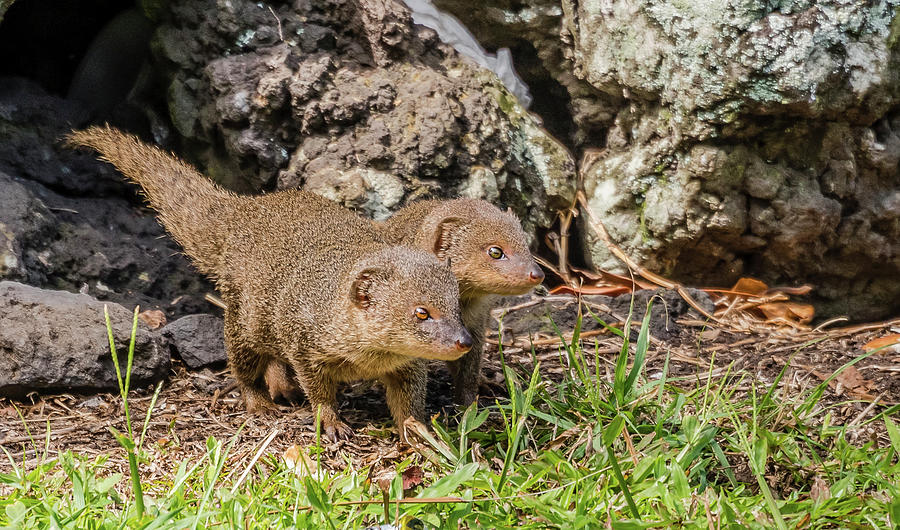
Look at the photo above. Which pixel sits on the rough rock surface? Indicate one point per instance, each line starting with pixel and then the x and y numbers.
pixel 53 340
pixel 733 137
pixel 198 339
pixel 69 222
pixel 575 111
pixel 762 142
pixel 351 100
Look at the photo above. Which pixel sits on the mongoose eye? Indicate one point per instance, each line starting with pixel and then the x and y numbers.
pixel 422 313
pixel 496 252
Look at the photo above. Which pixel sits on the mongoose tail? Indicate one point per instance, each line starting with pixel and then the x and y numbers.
pixel 190 206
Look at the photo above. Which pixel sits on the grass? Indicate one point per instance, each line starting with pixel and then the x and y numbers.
pixel 633 452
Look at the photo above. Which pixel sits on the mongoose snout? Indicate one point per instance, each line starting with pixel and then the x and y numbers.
pixel 536 275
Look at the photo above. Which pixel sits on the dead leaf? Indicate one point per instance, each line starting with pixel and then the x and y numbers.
pixel 710 334
pixel 154 318
pixel 855 383
pixel 412 477
pixel 790 311
pixel 889 343
pixel 748 287
pixel 298 461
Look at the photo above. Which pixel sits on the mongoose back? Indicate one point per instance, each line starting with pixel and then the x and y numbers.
pixel 305 281
pixel 488 253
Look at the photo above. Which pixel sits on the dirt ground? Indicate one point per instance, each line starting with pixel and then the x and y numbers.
pixel 195 405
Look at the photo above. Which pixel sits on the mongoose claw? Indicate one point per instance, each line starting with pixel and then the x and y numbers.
pixel 338 430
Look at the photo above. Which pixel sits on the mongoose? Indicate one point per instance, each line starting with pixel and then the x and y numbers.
pixel 488 253
pixel 305 281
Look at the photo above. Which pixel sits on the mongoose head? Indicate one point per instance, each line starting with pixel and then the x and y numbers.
pixel 485 247
pixel 408 303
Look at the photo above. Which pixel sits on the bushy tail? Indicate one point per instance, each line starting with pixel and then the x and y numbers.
pixel 191 207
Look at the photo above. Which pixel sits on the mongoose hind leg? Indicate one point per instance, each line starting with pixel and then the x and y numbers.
pixel 405 392
pixel 320 388
pixel 247 367
pixel 281 382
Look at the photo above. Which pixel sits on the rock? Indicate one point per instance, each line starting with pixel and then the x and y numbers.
pixel 198 339
pixel 373 112
pixel 728 139
pixel 758 146
pixel 57 341
pixel 68 221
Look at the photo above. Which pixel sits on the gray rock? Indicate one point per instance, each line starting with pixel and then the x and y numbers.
pixel 68 221
pixel 198 339
pixel 57 341
pixel 757 141
pixel 374 113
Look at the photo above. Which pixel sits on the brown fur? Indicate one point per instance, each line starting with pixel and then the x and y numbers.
pixel 306 282
pixel 460 232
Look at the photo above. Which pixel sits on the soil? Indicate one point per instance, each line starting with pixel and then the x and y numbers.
pixel 194 405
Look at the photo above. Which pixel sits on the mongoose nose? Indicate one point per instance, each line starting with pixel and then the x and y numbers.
pixel 464 342
pixel 536 275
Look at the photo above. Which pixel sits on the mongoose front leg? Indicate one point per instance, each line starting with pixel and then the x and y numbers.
pixel 320 389
pixel 405 393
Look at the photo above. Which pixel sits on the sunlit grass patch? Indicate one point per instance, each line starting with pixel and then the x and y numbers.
pixel 585 451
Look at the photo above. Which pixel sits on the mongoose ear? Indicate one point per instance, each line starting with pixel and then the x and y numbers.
pixel 444 235
pixel 360 290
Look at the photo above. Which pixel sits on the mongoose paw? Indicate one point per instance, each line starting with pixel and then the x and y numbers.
pixel 337 430
pixel 258 403
pixel 464 397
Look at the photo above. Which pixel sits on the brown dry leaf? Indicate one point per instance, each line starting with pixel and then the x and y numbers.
pixel 819 491
pixel 790 311
pixel 748 287
pixel 412 477
pixel 710 335
pixel 154 318
pixel 855 383
pixel 298 461
pixel 889 343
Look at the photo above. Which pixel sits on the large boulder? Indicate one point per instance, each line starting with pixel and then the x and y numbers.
pixel 68 221
pixel 730 138
pixel 55 340
pixel 758 140
pixel 353 101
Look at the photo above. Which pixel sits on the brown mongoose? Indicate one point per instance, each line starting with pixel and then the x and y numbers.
pixel 488 253
pixel 305 282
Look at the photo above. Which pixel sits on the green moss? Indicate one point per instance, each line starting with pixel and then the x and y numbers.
pixel 894 36
pixel 152 9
